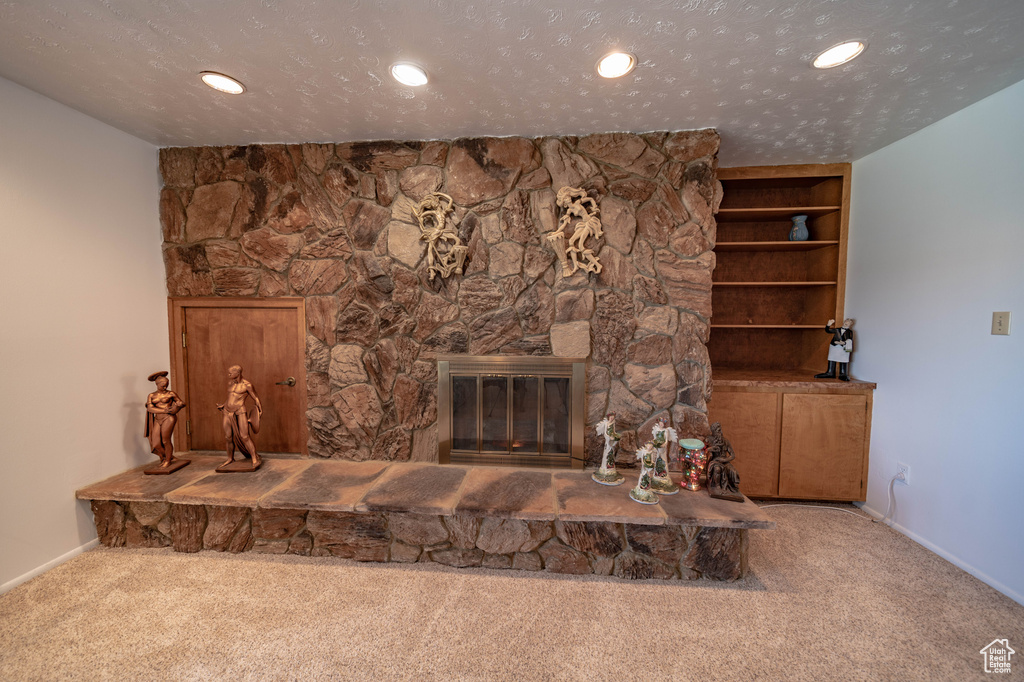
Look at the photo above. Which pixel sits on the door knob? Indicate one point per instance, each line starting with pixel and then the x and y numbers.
pixel 290 381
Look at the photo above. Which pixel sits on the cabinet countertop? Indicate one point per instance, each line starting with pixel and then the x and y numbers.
pixel 740 378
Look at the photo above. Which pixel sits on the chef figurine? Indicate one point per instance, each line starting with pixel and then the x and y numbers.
pixel 839 350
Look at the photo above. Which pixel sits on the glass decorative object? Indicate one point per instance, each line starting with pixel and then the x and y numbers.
pixel 694 460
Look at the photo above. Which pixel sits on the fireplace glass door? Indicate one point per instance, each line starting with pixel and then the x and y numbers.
pixel 497 413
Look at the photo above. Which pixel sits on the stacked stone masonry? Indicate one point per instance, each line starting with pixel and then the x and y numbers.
pixel 333 223
pixel 630 551
pixel 496 517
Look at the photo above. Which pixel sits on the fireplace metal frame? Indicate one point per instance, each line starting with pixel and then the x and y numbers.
pixel 511 366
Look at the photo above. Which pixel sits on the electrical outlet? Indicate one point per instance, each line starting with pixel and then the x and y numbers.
pixel 904 469
pixel 1001 323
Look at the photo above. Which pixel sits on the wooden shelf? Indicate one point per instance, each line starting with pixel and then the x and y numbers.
pixel 766 326
pixel 747 376
pixel 773 284
pixel 726 247
pixel 773 305
pixel 750 215
pixel 770 296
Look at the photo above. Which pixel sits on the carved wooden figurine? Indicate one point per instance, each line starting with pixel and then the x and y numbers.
pixel 579 206
pixel 445 251
pixel 723 479
pixel 662 434
pixel 239 424
pixel 642 493
pixel 162 407
pixel 606 473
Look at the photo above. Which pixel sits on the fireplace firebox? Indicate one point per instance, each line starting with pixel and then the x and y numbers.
pixel 511 410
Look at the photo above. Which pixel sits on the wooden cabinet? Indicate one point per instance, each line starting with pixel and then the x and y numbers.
pixel 751 423
pixel 798 440
pixel 794 436
pixel 824 445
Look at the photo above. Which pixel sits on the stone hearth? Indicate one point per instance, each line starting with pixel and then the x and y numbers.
pixel 528 519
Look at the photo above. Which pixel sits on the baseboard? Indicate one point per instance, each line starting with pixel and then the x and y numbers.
pixel 11 584
pixel 951 558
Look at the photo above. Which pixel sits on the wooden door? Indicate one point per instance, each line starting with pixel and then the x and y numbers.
pixel 824 446
pixel 750 424
pixel 266 337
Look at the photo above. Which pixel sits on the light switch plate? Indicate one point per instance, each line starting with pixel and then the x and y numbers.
pixel 1001 323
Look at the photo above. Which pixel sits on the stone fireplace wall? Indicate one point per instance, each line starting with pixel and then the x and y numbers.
pixel 333 223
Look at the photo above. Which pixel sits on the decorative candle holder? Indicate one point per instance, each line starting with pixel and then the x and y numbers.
pixel 694 460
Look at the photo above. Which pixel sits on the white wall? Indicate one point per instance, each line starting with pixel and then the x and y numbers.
pixel 83 319
pixel 937 245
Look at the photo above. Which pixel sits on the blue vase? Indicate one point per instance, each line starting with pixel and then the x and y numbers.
pixel 799 231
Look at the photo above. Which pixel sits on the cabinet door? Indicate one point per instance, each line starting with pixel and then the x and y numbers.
pixel 267 338
pixel 823 442
pixel 750 424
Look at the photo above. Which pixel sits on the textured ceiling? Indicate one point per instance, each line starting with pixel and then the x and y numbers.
pixel 318 70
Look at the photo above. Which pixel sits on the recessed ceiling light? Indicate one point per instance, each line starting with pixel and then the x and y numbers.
pixel 616 64
pixel 409 74
pixel 219 81
pixel 840 54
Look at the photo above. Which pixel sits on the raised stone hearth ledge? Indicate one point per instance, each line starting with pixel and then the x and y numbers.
pixel 555 521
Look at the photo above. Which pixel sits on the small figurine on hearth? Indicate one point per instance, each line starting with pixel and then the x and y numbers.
pixel 606 473
pixel 162 407
pixel 723 479
pixel 839 349
pixel 239 425
pixel 694 459
pixel 642 493
pixel 662 434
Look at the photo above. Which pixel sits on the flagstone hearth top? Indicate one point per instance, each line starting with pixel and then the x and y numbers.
pixel 444 490
pixel 243 489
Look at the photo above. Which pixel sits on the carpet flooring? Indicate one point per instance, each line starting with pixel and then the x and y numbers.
pixel 829 596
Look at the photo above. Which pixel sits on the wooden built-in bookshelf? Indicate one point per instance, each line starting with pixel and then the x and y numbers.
pixel 794 436
pixel 771 296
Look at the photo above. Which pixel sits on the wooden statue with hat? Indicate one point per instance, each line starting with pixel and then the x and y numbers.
pixel 162 407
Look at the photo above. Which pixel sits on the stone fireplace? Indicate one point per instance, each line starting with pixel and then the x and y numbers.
pixel 333 224
pixel 511 411
pixel 528 358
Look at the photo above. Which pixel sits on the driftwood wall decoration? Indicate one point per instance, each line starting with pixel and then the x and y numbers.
pixel 445 251
pixel 579 207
